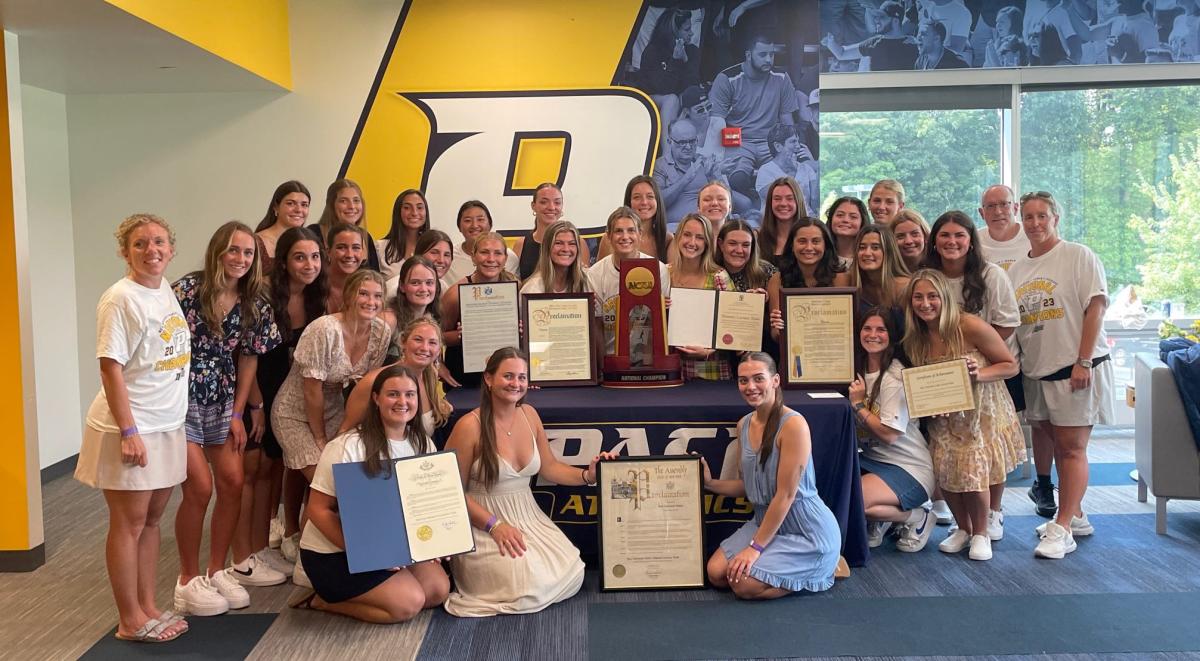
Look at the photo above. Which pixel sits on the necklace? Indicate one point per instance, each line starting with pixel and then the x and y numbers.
pixel 508 432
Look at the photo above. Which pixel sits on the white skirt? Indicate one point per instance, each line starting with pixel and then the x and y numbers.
pixel 100 464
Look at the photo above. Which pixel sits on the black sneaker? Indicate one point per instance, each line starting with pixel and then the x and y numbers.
pixel 1043 498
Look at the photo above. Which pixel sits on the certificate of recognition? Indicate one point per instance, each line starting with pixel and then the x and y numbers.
pixel 415 511
pixel 651 523
pixel 818 336
pixel 936 388
pixel 713 319
pixel 434 505
pixel 561 339
pixel 489 321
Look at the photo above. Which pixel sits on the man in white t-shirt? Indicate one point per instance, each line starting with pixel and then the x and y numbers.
pixel 1003 243
pixel 956 17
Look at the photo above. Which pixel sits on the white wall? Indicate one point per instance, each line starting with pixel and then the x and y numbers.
pixel 199 160
pixel 51 273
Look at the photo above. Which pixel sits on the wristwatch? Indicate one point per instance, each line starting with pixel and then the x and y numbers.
pixel 1085 363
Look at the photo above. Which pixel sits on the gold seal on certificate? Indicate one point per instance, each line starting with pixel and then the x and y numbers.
pixel 818 336
pixel 716 319
pixel 434 505
pixel 561 339
pixel 488 311
pixel 651 523
pixel 937 388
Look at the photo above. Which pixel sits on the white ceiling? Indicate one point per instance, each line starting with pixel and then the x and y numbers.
pixel 92 47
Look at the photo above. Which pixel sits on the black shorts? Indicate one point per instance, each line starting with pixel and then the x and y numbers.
pixel 1017 391
pixel 330 576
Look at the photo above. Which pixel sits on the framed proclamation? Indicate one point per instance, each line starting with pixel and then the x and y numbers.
pixel 489 321
pixel 562 339
pixel 651 523
pixel 817 344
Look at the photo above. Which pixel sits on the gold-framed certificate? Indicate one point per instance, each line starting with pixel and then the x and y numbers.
pixel 937 388
pixel 714 319
pixel 488 311
pixel 561 339
pixel 817 344
pixel 434 506
pixel 651 523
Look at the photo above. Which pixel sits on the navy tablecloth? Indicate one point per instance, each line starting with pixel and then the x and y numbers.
pixel 698 416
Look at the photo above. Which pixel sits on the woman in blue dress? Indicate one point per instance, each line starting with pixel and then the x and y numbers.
pixel 792 542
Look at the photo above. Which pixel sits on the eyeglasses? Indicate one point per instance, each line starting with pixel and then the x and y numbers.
pixel 685 143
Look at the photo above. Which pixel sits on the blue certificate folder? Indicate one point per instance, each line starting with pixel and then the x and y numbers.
pixel 372 517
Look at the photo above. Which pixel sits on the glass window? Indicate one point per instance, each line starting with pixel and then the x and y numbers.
pixel 944 158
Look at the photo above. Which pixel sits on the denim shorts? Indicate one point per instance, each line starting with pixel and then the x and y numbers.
pixel 910 492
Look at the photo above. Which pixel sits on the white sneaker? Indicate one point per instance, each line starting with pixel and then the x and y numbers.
pixel 199 597
pixel 981 548
pixel 299 577
pixel 1080 527
pixel 995 525
pixel 875 532
pixel 916 535
pixel 229 588
pixel 956 542
pixel 290 547
pixel 253 571
pixel 275 560
pixel 275 536
pixel 942 511
pixel 1056 543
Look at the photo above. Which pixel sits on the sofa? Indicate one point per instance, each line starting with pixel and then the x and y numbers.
pixel 1168 462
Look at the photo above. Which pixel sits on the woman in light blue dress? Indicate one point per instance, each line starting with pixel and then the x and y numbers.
pixel 792 542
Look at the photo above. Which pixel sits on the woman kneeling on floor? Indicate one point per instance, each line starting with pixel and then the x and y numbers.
pixel 391 430
pixel 897 471
pixel 792 542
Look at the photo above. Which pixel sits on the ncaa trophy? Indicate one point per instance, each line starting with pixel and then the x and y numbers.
pixel 641 359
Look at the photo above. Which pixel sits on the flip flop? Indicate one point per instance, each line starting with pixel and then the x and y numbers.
pixel 171 617
pixel 153 631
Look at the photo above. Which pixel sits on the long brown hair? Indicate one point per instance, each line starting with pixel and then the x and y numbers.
pixel 374 436
pixel 282 191
pixel 708 265
pixel 576 279
pixel 769 233
pixel 400 306
pixel 658 224
pixel 891 268
pixel 974 287
pixel 397 235
pixel 489 463
pixel 885 358
pixel 771 427
pixel 314 294
pixel 251 287
pixel 756 275
pixel 329 213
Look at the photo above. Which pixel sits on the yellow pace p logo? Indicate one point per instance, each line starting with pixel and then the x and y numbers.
pixel 476 99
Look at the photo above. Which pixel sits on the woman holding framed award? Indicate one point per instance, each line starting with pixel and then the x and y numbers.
pixel 1062 294
pixel 792 542
pixel 691 266
pixel 420 350
pixel 982 289
pixel 383 596
pixel 811 263
pixel 489 256
pixel 897 471
pixel 937 329
pixel 560 265
pixel 911 232
pixel 522 562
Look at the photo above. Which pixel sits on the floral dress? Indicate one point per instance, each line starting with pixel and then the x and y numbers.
pixel 213 375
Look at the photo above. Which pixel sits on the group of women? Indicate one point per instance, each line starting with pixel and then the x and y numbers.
pixel 299 346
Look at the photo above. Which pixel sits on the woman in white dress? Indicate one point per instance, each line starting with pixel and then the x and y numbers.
pixel 522 562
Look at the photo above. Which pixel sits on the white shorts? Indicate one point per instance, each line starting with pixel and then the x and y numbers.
pixel 1062 407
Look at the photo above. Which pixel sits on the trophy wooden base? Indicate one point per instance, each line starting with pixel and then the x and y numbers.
pixel 665 372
